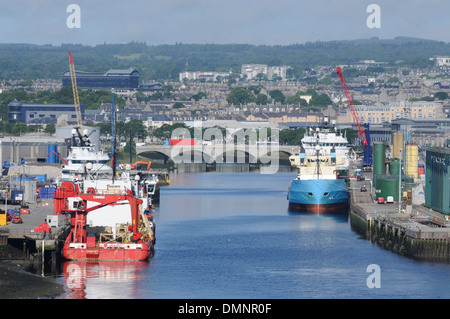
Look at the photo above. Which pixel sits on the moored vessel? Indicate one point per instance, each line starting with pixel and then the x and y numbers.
pixel 110 216
pixel 126 241
pixel 322 163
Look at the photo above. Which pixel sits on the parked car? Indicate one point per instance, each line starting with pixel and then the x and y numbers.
pixel 359 175
pixel 380 200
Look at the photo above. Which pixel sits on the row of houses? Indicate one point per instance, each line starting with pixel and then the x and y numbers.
pixel 274 113
pixel 430 129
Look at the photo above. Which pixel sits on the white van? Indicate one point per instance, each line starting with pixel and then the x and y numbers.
pixel 390 200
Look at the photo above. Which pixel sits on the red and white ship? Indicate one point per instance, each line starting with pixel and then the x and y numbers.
pixel 126 241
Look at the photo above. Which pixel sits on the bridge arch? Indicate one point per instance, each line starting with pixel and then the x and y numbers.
pixel 235 156
pixel 155 155
pixel 191 156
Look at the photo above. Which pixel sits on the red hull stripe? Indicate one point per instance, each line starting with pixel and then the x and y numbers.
pixel 107 253
pixel 332 209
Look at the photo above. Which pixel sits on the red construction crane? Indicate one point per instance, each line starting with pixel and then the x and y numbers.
pixel 355 114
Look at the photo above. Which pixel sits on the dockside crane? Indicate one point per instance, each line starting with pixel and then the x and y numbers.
pixel 75 93
pixel 364 133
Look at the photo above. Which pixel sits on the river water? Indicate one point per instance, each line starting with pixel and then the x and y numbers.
pixel 231 235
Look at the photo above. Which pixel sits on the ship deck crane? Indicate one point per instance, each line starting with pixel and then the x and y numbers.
pixel 71 202
pixel 75 92
pixel 133 241
pixel 364 134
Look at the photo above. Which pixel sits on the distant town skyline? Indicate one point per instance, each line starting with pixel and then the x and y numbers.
pixel 259 22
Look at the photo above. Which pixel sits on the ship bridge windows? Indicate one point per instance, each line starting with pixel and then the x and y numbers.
pixel 314 160
pixel 103 162
pixel 330 144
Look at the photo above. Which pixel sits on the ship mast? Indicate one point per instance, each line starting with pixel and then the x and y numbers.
pixel 317 161
pixel 317 154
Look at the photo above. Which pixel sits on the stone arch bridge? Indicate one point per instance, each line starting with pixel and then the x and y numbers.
pixel 219 153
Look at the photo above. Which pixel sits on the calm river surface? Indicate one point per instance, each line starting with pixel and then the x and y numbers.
pixel 231 235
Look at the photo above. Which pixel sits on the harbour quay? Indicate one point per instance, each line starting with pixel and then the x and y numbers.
pixel 39 236
pixel 416 231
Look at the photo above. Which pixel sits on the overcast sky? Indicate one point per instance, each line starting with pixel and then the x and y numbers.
pixel 219 21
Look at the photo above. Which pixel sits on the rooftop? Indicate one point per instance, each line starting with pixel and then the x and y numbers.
pixel 112 72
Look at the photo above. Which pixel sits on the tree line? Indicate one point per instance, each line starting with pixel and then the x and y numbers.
pixel 243 96
pixel 165 62
pixel 134 128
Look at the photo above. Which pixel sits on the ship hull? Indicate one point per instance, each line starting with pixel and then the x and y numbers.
pixel 109 252
pixel 319 196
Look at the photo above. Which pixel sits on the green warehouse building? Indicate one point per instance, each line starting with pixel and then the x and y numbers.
pixel 437 188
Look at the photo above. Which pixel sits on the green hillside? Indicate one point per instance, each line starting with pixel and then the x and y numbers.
pixel 165 62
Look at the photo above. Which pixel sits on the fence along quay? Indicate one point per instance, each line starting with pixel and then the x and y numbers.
pixel 417 232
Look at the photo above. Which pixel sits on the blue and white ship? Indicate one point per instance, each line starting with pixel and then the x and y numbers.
pixel 322 163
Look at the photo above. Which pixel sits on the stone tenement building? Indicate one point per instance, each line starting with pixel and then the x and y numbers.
pixel 396 110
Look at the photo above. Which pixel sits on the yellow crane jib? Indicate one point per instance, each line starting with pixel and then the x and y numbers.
pixel 75 92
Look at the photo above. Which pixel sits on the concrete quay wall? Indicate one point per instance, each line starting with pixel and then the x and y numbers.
pixel 426 239
pixel 38 248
